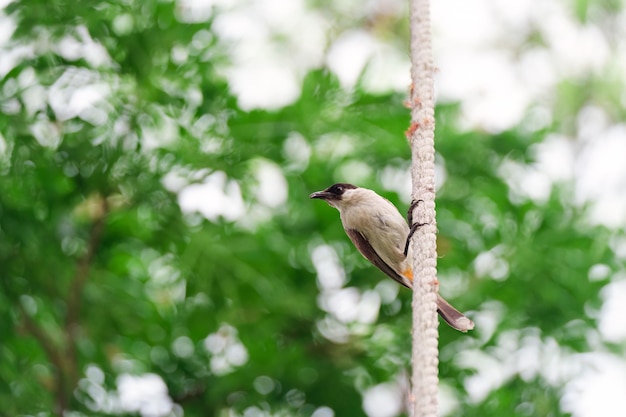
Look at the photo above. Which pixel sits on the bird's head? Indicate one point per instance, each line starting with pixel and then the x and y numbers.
pixel 336 194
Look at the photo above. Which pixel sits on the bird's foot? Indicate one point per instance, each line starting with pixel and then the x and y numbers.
pixel 413 226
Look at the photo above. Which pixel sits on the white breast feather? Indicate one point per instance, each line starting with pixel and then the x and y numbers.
pixel 380 222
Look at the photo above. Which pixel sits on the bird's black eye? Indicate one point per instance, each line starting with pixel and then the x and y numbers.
pixel 336 189
pixel 340 188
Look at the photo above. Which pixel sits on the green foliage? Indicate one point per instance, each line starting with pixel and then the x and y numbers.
pixel 101 272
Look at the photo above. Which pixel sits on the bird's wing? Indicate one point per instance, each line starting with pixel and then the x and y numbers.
pixel 451 315
pixel 366 249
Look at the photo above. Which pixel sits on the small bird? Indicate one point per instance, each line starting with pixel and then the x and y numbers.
pixel 381 233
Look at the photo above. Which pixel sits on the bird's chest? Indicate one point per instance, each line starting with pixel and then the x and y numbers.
pixel 376 226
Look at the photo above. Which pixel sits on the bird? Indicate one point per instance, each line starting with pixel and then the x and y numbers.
pixel 381 234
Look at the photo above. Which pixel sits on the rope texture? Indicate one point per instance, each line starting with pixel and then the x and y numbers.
pixel 425 354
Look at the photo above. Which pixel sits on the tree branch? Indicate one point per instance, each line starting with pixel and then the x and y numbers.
pixel 74 297
pixel 83 266
pixel 421 135
pixel 55 356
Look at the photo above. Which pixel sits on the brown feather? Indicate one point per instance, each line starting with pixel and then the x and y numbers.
pixel 366 249
pixel 452 316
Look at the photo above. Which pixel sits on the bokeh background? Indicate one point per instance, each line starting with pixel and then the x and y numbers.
pixel 159 255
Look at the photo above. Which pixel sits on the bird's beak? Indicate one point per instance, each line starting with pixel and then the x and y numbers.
pixel 322 195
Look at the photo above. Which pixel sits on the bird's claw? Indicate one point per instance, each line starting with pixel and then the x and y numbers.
pixel 412 225
pixel 409 215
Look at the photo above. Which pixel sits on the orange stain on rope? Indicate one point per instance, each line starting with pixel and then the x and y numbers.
pixel 411 130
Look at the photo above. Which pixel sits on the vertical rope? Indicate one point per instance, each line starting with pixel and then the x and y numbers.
pixel 421 134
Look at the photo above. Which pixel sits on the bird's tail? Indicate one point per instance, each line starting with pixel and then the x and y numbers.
pixel 452 316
